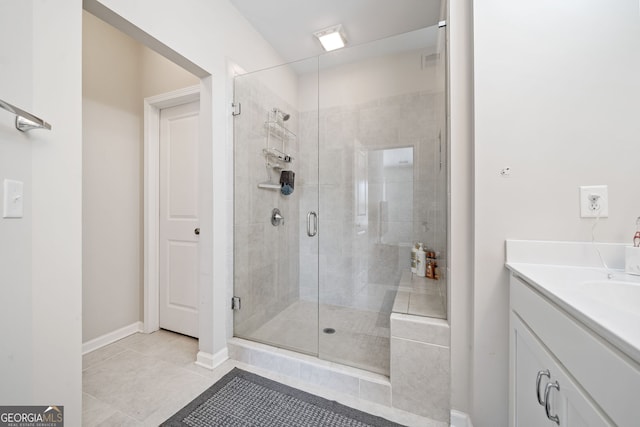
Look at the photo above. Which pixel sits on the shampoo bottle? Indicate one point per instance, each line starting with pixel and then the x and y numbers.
pixel 414 259
pixel 421 261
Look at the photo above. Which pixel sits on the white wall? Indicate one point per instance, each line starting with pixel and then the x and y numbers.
pixel 160 75
pixel 16 345
pixel 205 37
pixel 112 180
pixel 557 99
pixel 56 254
pixel 118 73
pixel 40 253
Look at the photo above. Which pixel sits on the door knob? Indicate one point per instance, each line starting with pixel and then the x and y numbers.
pixel 197 231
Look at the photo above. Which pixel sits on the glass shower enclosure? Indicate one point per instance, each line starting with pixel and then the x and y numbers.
pixel 339 167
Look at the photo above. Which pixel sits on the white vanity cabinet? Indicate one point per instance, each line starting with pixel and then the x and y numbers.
pixel 537 378
pixel 545 344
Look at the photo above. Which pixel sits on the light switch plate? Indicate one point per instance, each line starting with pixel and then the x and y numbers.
pixel 13 195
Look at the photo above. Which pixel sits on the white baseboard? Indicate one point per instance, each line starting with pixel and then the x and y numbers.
pixel 212 361
pixel 460 419
pixel 111 337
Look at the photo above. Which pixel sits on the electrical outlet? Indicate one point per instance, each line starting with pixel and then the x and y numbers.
pixel 594 201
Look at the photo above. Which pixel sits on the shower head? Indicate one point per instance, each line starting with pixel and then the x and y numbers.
pixel 284 116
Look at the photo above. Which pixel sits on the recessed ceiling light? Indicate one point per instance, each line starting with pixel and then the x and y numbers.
pixel 331 38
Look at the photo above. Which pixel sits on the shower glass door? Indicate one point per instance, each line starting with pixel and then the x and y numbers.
pixel 276 206
pixel 358 135
pixel 382 187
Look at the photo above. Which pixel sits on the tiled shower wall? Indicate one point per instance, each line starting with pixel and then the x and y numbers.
pixel 366 231
pixel 266 263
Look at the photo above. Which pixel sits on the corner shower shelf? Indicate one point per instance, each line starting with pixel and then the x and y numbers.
pixel 276 155
pixel 276 159
pixel 278 130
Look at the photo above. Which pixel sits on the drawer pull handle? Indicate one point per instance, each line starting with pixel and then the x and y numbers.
pixel 547 401
pixel 544 373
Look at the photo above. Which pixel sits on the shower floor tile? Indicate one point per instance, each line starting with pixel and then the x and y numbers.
pixel 361 337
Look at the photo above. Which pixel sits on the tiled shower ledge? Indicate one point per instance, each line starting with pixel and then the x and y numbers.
pixel 420 296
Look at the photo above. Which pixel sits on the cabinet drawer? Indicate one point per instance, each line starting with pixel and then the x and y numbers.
pixel 610 378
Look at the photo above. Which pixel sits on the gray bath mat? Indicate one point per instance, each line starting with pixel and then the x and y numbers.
pixel 243 399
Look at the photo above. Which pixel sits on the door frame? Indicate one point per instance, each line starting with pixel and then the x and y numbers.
pixel 151 269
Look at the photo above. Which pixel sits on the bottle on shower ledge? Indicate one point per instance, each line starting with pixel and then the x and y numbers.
pixel 429 269
pixel 414 254
pixel 421 261
pixel 434 266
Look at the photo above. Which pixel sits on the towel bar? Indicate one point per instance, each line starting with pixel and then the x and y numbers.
pixel 25 121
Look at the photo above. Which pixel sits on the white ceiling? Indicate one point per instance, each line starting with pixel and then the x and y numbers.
pixel 288 25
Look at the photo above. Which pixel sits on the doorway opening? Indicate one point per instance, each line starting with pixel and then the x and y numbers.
pixel 119 74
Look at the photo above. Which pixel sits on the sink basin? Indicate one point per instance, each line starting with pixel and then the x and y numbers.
pixel 616 294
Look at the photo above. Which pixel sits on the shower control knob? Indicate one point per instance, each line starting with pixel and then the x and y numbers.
pixel 276 217
pixel 197 231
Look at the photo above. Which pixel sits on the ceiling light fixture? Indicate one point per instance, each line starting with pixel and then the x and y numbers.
pixel 331 38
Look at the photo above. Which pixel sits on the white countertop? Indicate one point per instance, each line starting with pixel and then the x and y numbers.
pixel 582 292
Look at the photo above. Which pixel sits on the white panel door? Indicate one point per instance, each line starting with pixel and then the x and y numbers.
pixel 179 219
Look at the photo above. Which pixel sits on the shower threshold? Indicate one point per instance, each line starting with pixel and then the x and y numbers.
pixel 310 369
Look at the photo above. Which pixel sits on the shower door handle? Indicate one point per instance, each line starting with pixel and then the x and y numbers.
pixel 315 224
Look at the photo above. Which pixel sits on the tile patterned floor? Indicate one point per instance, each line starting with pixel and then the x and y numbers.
pixel 361 337
pixel 144 379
